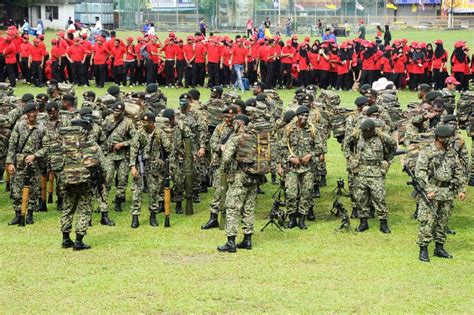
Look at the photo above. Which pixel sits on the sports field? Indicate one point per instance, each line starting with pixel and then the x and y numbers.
pixel 178 270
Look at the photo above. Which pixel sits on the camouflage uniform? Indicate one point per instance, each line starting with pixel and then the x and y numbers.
pixel 349 129
pixel 155 147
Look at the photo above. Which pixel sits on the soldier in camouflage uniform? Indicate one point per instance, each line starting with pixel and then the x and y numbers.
pixel 218 143
pixel 448 94
pixel 25 150
pixel 89 100
pixel 369 152
pixel 119 131
pixel 242 193
pixel 439 173
pixel 154 147
pixel 303 147
pixel 155 100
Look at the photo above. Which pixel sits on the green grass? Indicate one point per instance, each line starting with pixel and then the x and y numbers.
pixel 178 270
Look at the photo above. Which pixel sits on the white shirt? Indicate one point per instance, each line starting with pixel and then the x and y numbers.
pixel 98 25
pixel 151 30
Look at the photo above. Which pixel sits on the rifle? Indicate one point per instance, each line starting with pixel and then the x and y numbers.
pixel 167 192
pixel 44 181
pixel 50 186
pixel 418 189
pixel 25 193
pixel 188 176
pixel 275 212
pixel 339 211
pixel 340 190
pixel 98 181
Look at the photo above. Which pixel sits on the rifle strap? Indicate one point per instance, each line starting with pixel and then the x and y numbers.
pixel 115 127
pixel 26 140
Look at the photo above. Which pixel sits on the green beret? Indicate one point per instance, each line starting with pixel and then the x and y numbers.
pixel 194 94
pixel 259 84
pixel 302 110
pixel 119 106
pixel 232 109
pixel 30 107
pixel 364 87
pixel 262 97
pixel 300 90
pixel 89 94
pixel 85 111
pixel 431 96
pixel 449 118
pixel 251 102
pixel 308 97
pixel 288 116
pixel 239 103
pixel 444 131
pixel 168 113
pixel 243 118
pixel 51 105
pixel 424 87
pixel 151 88
pixel 140 95
pixel 185 96
pixel 312 87
pixel 372 109
pixel 114 90
pixel 217 89
pixel 42 97
pixel 367 124
pixel 81 123
pixel 27 97
pixel 361 101
pixel 148 116
pixel 69 98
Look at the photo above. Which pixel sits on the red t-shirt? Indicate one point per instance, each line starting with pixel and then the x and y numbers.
pixel 226 54
pixel 263 53
pixel 87 47
pixel 238 55
pixel 170 51
pixel 288 50
pixel 333 66
pixel 343 66
pixel 313 60
pixel 367 63
pixel 76 53
pixel 457 66
pixel 54 54
pixel 10 54
pixel 63 45
pixel 25 50
pixel 100 54
pixel 137 51
pixel 385 64
pixel 324 64
pixel 37 53
pixel 200 52
pixel 213 53
pixel 418 66
pixel 153 48
pixel 188 50
pixel 130 53
pixel 302 62
pixel 399 63
pixel 118 53
pixel 255 51
pixel 179 52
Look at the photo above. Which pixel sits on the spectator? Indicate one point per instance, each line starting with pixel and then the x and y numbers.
pixel 151 29
pixel 249 27
pixel 361 29
pixel 146 27
pixel 288 26
pixel 69 22
pixel 98 24
pixel 379 32
pixel 202 27
pixel 329 35
pixel 39 28
pixel 25 28
pixel 320 27
pixel 347 29
pixel 387 37
pixel 266 26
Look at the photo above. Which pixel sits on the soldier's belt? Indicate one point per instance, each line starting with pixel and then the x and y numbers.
pixel 439 183
pixel 370 163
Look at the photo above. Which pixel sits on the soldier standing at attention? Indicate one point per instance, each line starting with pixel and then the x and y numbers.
pixel 439 173
pixel 154 146
pixel 302 144
pixel 369 152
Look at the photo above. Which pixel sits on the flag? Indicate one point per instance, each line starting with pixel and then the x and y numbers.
pixel 359 6
pixel 299 7
pixel 413 8
pixel 390 5
pixel 421 5
pixel 331 6
pixel 276 4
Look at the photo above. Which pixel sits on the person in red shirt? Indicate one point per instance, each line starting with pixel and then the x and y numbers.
pixel 302 61
pixel 313 55
pixel 63 62
pixel 323 66
pixel 180 62
pixel 2 58
pixel 25 53
pixel 77 56
pixel 334 61
pixel 418 69
pixel 200 63
pixel 252 60
pixel 262 59
pixel 189 57
pixel 99 56
pixel 238 60
pixel 286 57
pixel 55 57
pixel 169 50
pixel 399 66
pixel 367 58
pixel 386 63
pixel 140 68
pixel 459 59
pixel 86 44
pixel 130 62
pixel 344 61
pixel 9 53
pixel 36 63
pixel 440 57
pixel 225 68
pixel 118 54
pixel 271 54
pixel 153 59
pixel 213 61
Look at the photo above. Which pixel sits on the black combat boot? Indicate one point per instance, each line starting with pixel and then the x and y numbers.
pixel 372 212
pixel 292 222
pixel 424 254
pixel 440 252
pixel 90 222
pixel 161 206
pixel 363 226
pixel 29 217
pixel 153 221
pixel 316 192
pixel 118 204
pixel 355 213
pixel 260 191
pixel 42 207
pixel 50 197
pixel 471 181
pixel 310 215
pixel 229 246
pixel 1 176
pixel 16 220
pixel 301 223
pixel 274 178
pixel 322 181
pixel 212 223
pixel 145 185
pixel 60 203
pixel 135 222
pixel 78 244
pixel 67 241
pixel 196 198
pixel 105 219
pixel 179 207
pixel 246 242
pixel 450 231
pixel 384 226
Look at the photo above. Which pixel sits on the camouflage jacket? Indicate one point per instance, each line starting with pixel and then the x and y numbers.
pixel 31 139
pixel 197 123
pixel 351 122
pixel 221 133
pixel 155 148
pixel 369 157
pixel 439 172
pixel 321 121
pixel 298 142
pixel 118 132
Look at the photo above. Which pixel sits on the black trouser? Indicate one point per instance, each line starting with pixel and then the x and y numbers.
pixel 366 77
pixel 276 71
pixel 16 68
pixel 323 79
pixel 129 67
pixel 332 79
pixel 438 79
pixel 10 68
pixel 189 75
pixel 117 73
pixel 77 72
pixel 314 77
pixel 2 68
pixel 304 77
pixel 62 67
pixel 88 69
pixel 199 73
pixel 225 75
pixel 415 80
pixel 285 74
pixel 25 70
pixel 344 81
pixel 180 64
pixel 252 72
pixel 213 73
pixel 100 74
pixel 263 71
pixel 151 69
pixel 55 70
pixel 249 33
pixel 140 72
pixel 269 75
pixel 397 78
pixel 460 78
pixel 36 73
pixel 169 72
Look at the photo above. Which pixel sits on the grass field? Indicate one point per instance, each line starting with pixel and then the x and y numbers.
pixel 178 270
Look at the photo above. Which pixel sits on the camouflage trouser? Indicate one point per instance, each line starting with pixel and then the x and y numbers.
pixel 17 181
pixel 59 185
pixel 216 197
pixel 320 170
pixel 103 200
pixel 120 169
pixel 471 175
pixel 299 190
pixel 240 201
pixel 178 181
pixel 155 186
pixel 368 192
pixel 77 198
pixel 431 226
pixel 350 187
pixel 201 171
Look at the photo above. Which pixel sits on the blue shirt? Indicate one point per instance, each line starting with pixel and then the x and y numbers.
pixel 328 37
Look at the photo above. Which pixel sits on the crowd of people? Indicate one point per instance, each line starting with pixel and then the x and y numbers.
pixel 184 62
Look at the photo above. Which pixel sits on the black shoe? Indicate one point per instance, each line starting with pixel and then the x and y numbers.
pixel 90 222
pixel 372 212
pixel 118 204
pixel 78 244
pixel 384 226
pixel 50 198
pixel 355 213
pixel 322 181
pixel 196 198
pixel 229 246
pixel 260 191
pixel 440 252
pixel 59 204
pixel 363 226
pixel 42 207
pixel 301 223
pixel 212 223
pixel 153 221
pixel 316 192
pixel 16 220
pixel 246 242
pixel 471 181
pixel 105 219
pixel 274 179
pixel 424 254
pixel 310 215
pixel 179 207
pixel 292 222
pixel 67 241
pixel 135 222
pixel 450 232
pixel 161 207
pixel 29 217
